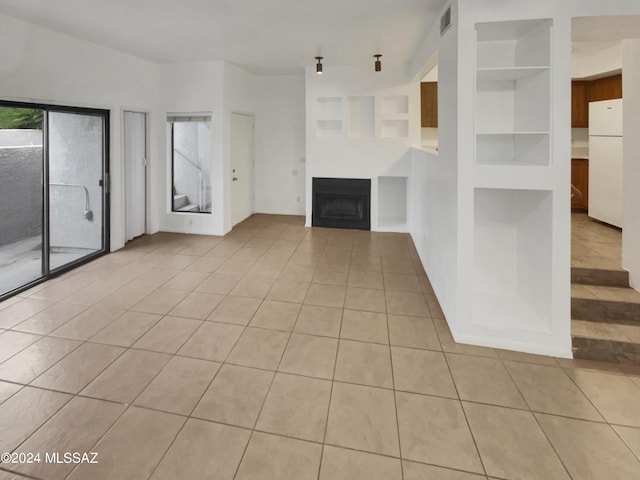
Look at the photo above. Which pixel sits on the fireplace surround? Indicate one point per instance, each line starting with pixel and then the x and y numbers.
pixel 341 203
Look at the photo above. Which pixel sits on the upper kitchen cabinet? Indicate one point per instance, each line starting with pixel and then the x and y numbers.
pixel 429 104
pixel 585 91
pixel 579 104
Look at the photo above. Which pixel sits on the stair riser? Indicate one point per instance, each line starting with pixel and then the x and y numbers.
pixel 605 278
pixel 606 350
pixel 605 311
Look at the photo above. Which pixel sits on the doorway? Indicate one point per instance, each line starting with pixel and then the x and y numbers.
pixel 242 166
pixel 54 192
pixel 135 173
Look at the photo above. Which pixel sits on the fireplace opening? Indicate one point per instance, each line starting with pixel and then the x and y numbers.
pixel 342 203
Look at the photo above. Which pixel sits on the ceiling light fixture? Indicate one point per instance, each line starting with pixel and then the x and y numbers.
pixel 378 64
pixel 319 65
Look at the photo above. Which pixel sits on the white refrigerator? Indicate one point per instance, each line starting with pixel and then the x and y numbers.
pixel 605 161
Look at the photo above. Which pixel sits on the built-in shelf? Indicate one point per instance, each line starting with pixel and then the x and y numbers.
pixel 361 116
pixel 392 203
pixel 512 258
pixel 508 73
pixel 514 148
pixel 398 128
pixel 329 128
pixel 395 104
pixel 329 107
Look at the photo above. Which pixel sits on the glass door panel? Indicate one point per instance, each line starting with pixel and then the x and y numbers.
pixel 76 170
pixel 21 197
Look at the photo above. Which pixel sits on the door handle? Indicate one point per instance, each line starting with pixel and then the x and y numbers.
pixel 235 179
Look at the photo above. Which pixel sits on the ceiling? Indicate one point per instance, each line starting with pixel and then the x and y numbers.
pixel 262 36
pixel 605 29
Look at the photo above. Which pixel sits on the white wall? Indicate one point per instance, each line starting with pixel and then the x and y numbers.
pixel 280 162
pixel 631 126
pixel 42 66
pixel 590 59
pixel 370 156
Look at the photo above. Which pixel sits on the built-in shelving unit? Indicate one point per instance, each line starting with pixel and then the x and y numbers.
pixel 513 93
pixel 513 204
pixel 392 203
pixel 329 117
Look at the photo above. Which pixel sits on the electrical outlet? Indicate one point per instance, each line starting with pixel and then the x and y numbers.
pixel 303 160
pixel 298 199
pixel 190 222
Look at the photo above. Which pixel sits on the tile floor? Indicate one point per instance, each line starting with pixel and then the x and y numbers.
pixel 279 352
pixel 595 244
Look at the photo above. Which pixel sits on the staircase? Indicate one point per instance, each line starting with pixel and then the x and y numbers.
pixel 605 314
pixel 181 204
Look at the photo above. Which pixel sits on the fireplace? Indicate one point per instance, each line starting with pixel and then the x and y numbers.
pixel 341 203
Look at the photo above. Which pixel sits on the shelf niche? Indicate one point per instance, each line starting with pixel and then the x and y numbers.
pixel 392 203
pixel 394 128
pixel 512 259
pixel 361 117
pixel 520 43
pixel 395 105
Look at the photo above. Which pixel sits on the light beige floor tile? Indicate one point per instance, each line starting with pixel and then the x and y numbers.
pixel 400 282
pixel 88 323
pixel 449 345
pixel 365 279
pixel 125 378
pixel 126 329
pixel 422 371
pixel 363 418
pixel 315 320
pixel 403 303
pixel 299 273
pixel 203 451
pixel 75 428
pixel 179 386
pixel 364 326
pixel 205 264
pixel 615 396
pixel 590 450
pixel 343 464
pixel 325 295
pixel 160 301
pixel 511 443
pixel 237 265
pixel 364 363
pixel 366 299
pixel 237 310
pixel 413 332
pixel 235 396
pixel 179 262
pixel 310 355
pixel 576 364
pixel 484 380
pixel 168 335
pixel 259 348
pixel 24 412
pixel 288 291
pixel 253 286
pixel 145 432
pixel 186 280
pixel 197 305
pixel 50 318
pixel 36 358
pixel 220 283
pixel 7 390
pixel 331 275
pixel 76 370
pixel 276 315
pixel 269 457
pixel 550 390
pixel 13 342
pixel 296 407
pixel 630 436
pixel 434 430
pixel 212 341
pixel 21 310
pixel 126 297
pixel 155 277
pixel 419 471
pixel 526 358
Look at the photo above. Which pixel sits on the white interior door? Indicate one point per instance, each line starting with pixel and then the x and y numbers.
pixel 135 153
pixel 241 167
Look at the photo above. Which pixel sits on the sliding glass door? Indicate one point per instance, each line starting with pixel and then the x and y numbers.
pixel 53 197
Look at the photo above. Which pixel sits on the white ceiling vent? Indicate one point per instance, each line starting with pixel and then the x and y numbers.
pixel 445 21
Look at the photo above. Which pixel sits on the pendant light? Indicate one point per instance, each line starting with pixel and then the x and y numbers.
pixel 378 64
pixel 319 65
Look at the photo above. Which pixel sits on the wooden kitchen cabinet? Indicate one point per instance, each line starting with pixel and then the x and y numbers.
pixel 585 91
pixel 580 180
pixel 579 104
pixel 429 104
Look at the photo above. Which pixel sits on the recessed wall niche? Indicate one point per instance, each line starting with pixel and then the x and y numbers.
pixel 395 104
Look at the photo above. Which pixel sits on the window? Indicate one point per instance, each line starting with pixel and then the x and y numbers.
pixel 190 163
